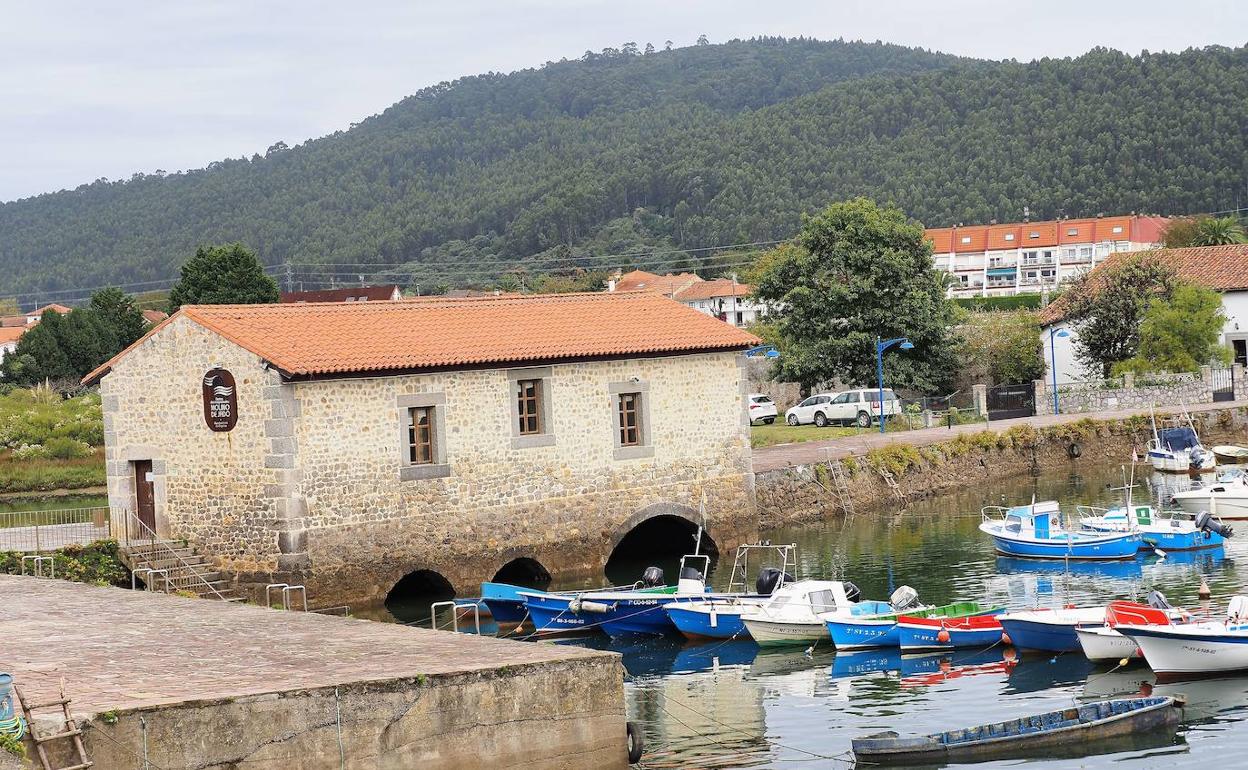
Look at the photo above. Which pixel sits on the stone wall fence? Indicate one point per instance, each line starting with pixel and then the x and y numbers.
pixel 758 370
pixel 1132 391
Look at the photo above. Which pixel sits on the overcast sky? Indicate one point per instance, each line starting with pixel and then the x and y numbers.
pixel 104 89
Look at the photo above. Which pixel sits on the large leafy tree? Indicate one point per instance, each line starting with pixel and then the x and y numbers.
pixel 1107 305
pixel 1180 334
pixel 120 314
pixel 1000 347
pixel 858 272
pixel 223 275
pixel 1203 231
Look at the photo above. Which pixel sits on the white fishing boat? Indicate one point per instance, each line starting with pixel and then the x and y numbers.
pixel 1231 453
pixel 1104 643
pixel 791 615
pixel 1226 498
pixel 1195 649
pixel 1177 448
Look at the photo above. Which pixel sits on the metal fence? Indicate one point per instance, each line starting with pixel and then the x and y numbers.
pixel 38 531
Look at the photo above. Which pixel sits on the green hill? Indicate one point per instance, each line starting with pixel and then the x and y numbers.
pixel 684 149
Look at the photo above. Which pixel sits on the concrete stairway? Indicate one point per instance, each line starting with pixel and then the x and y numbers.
pixel 187 571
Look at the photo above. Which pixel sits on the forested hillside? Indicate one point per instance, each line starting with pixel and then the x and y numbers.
pixel 690 148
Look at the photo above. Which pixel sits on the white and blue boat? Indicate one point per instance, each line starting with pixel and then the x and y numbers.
pixel 1035 532
pixel 1049 630
pixel 719 615
pixel 1164 530
pixel 1177 448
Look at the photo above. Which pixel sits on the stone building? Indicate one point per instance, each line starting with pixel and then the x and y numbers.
pixel 345 446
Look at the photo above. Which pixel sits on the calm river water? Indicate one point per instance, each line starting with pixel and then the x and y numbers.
pixel 728 705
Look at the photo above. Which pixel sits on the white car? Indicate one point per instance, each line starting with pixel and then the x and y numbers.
pixel 858 407
pixel 762 408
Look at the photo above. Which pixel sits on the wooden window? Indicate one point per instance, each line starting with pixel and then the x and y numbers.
pixel 420 431
pixel 630 419
pixel 529 403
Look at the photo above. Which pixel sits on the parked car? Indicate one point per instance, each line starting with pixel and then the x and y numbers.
pixel 860 407
pixel 762 408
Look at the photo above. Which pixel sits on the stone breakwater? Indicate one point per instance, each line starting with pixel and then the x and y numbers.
pixel 801 493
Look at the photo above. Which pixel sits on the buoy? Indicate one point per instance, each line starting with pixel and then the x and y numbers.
pixel 942 636
pixel 1203 592
pixel 1123 662
pixel 1005 639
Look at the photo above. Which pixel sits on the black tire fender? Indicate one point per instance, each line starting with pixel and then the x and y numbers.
pixel 636 744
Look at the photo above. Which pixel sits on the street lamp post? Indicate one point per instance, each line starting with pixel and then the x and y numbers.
pixel 880 347
pixel 1055 332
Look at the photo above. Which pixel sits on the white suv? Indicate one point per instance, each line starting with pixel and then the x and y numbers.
pixel 860 407
pixel 762 408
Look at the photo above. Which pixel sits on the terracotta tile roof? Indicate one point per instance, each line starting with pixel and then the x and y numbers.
pixel 411 335
pixel 58 308
pixel 154 316
pixel 11 333
pixel 640 280
pixel 973 238
pixel 13 320
pixel 356 294
pixel 719 287
pixel 1221 268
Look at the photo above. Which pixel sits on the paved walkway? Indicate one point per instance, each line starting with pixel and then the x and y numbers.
pixel 784 455
pixel 121 649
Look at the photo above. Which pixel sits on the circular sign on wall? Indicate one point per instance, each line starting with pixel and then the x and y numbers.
pixel 220 400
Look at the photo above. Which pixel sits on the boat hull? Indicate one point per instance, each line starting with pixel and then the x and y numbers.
pixel 697 620
pixel 1182 540
pixel 1047 632
pixel 504 601
pixel 1113 548
pixel 1178 652
pixel 863 634
pixel 774 633
pixel 1103 644
pixel 981 631
pixel 1231 506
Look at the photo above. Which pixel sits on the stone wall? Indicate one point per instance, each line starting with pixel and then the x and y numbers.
pixel 802 493
pixel 1134 392
pixel 785 394
pixel 310 486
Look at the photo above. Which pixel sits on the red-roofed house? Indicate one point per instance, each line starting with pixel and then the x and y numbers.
pixel 1221 268
pixel 9 335
pixel 724 299
pixel 1022 257
pixel 345 446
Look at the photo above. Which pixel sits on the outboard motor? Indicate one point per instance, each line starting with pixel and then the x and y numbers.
pixel 903 598
pixel 1197 458
pixel 1157 600
pixel 852 592
pixel 653 577
pixel 769 579
pixel 1206 522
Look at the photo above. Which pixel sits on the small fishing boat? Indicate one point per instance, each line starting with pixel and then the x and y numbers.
pixel 923 634
pixel 504 601
pixel 1164 530
pixel 1226 498
pixel 1231 453
pixel 1104 643
pixel 793 613
pixel 1200 649
pixel 1071 728
pixel 1049 630
pixel 1177 448
pixel 860 630
pixel 719 617
pixel 1035 532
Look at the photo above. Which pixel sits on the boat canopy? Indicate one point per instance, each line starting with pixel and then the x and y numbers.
pixel 1177 439
pixel 1046 508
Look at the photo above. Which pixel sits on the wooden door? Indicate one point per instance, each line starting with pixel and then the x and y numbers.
pixel 145 496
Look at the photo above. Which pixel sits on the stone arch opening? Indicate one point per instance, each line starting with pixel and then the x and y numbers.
pixel 523 571
pixel 657 541
pixel 409 599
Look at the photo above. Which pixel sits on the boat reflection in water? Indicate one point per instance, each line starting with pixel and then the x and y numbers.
pixel 1208 700
pixel 921 670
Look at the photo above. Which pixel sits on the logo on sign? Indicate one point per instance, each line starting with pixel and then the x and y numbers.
pixel 220 400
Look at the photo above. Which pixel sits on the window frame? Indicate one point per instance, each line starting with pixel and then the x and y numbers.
pixel 645 446
pixel 545 435
pixel 405 406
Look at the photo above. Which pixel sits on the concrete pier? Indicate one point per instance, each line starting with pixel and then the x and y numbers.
pixel 170 682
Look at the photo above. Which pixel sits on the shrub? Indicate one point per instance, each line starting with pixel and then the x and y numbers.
pixel 895 458
pixel 97 563
pixel 1022 436
pixel 61 448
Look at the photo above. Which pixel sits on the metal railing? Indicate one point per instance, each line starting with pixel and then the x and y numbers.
pixel 136 534
pixel 39 531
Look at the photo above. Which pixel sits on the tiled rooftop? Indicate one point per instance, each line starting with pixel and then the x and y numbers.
pixel 411 335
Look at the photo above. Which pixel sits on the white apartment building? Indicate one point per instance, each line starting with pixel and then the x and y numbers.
pixel 722 298
pixel 1032 257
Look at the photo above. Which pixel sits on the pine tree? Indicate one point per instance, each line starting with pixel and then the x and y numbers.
pixel 223 275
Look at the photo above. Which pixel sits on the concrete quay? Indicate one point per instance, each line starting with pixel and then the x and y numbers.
pixel 176 683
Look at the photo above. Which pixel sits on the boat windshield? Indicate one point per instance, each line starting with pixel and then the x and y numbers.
pixel 1013 524
pixel 822 601
pixel 1177 439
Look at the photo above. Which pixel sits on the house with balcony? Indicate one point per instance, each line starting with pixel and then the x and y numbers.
pixel 1034 257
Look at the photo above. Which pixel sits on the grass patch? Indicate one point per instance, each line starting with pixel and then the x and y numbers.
pixel 45 475
pixel 780 433
pixel 49 443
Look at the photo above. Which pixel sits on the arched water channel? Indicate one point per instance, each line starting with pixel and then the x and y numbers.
pixel 728 705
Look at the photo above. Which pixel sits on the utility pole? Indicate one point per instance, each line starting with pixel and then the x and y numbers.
pixel 290 278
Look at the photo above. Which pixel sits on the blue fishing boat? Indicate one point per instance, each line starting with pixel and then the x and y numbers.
pixel 718 616
pixel 1035 532
pixel 876 627
pixel 1049 630
pixel 504 601
pixel 1166 530
pixel 944 633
